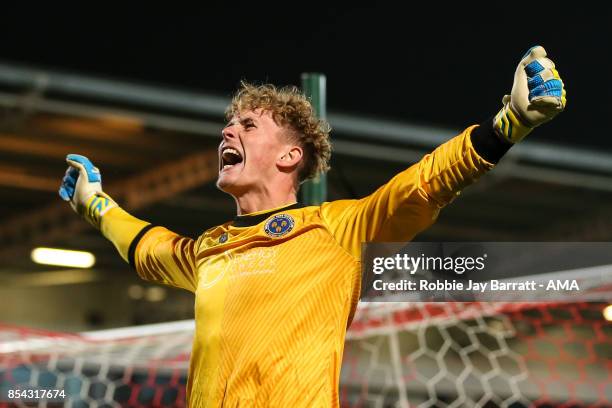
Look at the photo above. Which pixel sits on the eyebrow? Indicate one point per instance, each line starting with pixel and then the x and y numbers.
pixel 242 121
pixel 246 120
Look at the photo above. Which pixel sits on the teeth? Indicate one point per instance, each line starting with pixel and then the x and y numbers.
pixel 229 157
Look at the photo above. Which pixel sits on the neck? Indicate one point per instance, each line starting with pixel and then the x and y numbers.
pixel 253 202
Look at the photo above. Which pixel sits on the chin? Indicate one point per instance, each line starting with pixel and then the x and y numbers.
pixel 223 185
pixel 228 186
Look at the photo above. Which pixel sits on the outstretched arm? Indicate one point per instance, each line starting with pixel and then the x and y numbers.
pixel 410 202
pixel 156 253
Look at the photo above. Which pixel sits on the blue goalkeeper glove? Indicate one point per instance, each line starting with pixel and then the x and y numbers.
pixel 538 95
pixel 82 187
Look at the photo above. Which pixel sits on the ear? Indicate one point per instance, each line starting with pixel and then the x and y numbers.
pixel 290 158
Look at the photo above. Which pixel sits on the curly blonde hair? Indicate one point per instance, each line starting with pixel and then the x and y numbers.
pixel 289 108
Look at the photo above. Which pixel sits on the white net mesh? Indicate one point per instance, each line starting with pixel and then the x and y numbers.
pixel 396 355
pixel 478 354
pixel 143 366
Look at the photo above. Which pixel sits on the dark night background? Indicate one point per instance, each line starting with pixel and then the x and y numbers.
pixel 447 66
pixel 419 63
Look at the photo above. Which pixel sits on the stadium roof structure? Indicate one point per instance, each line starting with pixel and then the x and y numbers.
pixel 156 148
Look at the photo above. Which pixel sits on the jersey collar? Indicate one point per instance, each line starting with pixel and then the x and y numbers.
pixel 253 219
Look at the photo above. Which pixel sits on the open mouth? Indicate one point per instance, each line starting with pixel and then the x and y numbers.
pixel 229 158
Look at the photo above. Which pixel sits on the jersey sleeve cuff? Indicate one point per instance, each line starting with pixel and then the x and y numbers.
pixel 487 143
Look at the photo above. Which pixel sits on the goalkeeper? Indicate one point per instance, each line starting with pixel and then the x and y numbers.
pixel 276 287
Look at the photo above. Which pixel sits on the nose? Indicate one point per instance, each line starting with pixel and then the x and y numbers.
pixel 228 133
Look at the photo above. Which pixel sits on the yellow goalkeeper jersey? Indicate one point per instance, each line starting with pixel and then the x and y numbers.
pixel 275 291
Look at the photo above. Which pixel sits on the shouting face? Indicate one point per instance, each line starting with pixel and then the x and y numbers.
pixel 253 151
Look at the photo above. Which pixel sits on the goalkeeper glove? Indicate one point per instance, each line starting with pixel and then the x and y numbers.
pixel 82 187
pixel 537 96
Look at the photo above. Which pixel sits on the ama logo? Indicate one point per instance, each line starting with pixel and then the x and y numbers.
pixel 279 225
pixel 562 285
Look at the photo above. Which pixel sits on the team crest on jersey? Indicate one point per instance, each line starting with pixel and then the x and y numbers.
pixel 279 225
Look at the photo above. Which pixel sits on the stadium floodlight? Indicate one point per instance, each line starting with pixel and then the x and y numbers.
pixel 607 313
pixel 63 257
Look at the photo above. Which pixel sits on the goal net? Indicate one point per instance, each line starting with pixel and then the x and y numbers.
pixel 396 355
pixel 479 355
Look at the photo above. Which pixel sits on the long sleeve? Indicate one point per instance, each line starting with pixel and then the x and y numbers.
pixel 410 201
pixel 157 254
pixel 121 229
